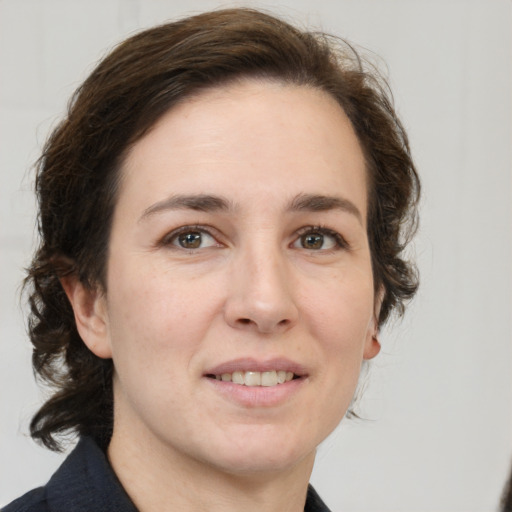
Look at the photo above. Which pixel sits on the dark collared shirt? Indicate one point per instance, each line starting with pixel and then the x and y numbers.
pixel 85 482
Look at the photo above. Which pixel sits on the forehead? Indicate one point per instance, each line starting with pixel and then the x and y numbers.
pixel 245 138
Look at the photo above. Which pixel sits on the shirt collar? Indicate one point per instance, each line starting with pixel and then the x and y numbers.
pixel 85 481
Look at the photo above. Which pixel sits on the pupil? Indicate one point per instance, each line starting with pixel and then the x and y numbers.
pixel 313 241
pixel 190 240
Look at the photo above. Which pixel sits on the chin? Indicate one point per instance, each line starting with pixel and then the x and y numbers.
pixel 263 464
pixel 263 454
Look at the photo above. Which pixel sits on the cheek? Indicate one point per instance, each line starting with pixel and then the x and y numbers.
pixel 155 320
pixel 144 297
pixel 341 311
pixel 155 327
pixel 340 318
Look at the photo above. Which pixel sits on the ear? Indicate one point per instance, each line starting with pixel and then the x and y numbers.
pixel 89 306
pixel 372 345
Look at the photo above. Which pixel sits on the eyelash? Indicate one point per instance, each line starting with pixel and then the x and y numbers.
pixel 168 239
pixel 340 242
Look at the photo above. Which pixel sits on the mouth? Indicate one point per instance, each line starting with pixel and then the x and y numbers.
pixel 256 383
pixel 257 373
pixel 253 378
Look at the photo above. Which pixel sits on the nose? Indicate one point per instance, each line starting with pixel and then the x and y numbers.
pixel 260 293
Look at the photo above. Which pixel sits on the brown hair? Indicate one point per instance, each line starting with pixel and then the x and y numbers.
pixel 140 80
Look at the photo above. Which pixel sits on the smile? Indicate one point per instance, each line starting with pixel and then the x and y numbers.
pixel 254 378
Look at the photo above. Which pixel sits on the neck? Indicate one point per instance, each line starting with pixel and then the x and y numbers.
pixel 159 478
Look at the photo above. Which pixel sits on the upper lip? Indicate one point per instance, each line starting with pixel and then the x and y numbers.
pixel 250 364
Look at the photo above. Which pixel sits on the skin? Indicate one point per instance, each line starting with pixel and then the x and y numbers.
pixel 265 282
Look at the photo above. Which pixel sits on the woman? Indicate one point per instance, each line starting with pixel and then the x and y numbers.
pixel 222 216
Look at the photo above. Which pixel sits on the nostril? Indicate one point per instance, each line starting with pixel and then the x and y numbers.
pixel 248 321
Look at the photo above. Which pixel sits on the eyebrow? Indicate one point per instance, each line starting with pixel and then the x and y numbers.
pixel 321 203
pixel 200 202
pixel 211 203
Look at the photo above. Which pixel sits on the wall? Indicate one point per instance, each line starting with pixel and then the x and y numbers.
pixel 440 397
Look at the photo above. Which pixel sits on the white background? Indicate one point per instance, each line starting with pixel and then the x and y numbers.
pixel 439 436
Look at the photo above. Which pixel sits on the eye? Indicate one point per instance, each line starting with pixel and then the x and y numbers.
pixel 319 239
pixel 190 238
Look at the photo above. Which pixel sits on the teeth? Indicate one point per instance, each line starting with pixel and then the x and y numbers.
pixel 250 378
pixel 237 378
pixel 269 378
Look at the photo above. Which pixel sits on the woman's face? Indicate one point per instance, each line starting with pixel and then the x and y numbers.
pixel 239 260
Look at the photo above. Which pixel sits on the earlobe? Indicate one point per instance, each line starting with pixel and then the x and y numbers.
pixel 372 347
pixel 89 307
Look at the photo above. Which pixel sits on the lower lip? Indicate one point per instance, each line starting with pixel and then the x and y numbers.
pixel 257 396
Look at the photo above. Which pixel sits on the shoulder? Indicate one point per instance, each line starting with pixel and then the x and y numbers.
pixel 313 502
pixel 32 501
pixel 84 482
